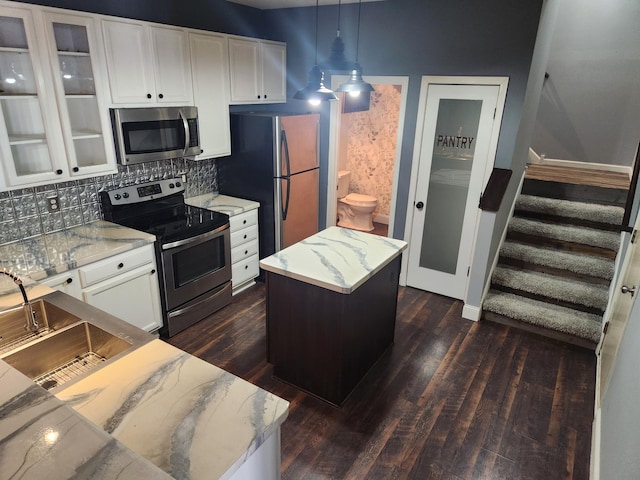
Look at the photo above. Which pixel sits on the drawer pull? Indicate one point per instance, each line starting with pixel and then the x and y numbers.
pixel 153 270
pixel 246 251
pixel 120 265
pixel 244 222
pixel 246 266
pixel 69 280
pixel 245 235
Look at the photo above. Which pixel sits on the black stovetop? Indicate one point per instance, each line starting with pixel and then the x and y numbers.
pixel 168 218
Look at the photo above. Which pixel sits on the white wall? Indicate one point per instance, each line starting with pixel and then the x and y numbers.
pixel 590 105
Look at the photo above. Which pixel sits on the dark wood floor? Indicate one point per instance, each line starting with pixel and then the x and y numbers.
pixel 452 399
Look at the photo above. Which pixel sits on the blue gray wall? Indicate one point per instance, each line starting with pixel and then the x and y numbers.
pixel 407 37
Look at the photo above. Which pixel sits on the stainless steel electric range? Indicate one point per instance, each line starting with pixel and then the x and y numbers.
pixel 192 248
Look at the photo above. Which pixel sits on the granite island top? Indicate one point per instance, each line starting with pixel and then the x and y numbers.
pixel 337 258
pixel 222 203
pixel 47 255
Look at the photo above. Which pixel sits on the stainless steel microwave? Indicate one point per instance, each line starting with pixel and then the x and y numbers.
pixel 155 133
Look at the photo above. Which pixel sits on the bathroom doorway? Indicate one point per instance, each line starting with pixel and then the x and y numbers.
pixel 366 140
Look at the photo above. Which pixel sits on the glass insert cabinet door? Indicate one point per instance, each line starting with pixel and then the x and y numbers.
pixel 453 163
pixel 76 75
pixel 30 139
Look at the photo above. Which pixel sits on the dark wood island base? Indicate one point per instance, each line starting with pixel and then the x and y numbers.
pixel 325 342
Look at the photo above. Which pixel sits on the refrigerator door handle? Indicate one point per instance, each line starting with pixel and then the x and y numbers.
pixel 285 209
pixel 285 151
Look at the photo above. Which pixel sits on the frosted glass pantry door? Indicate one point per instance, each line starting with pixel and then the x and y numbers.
pixel 458 122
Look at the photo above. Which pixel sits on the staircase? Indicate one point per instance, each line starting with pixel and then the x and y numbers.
pixel 557 261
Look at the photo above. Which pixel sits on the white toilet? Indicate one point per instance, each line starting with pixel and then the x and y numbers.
pixel 354 209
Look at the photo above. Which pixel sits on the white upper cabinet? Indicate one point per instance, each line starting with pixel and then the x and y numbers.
pixel 257 71
pixel 210 71
pixel 30 141
pixel 82 92
pixel 146 64
pixel 43 58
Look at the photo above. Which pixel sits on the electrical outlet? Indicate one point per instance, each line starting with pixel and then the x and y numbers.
pixel 53 205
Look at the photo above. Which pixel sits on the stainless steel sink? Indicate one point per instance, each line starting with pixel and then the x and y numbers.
pixel 66 354
pixel 50 318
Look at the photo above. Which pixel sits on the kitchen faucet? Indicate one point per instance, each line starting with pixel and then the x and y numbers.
pixel 31 324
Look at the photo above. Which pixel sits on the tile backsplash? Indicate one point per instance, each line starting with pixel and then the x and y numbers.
pixel 24 214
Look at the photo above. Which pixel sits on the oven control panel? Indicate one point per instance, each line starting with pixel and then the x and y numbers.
pixel 143 192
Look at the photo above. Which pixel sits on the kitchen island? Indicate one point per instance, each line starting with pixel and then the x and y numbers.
pixel 331 309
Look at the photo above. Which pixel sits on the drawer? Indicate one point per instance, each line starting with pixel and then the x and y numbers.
pixel 243 251
pixel 243 236
pixel 244 270
pixel 243 220
pixel 116 265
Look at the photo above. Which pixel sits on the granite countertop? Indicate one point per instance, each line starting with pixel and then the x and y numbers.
pixel 190 418
pixel 153 412
pixel 47 255
pixel 338 259
pixel 41 437
pixel 222 203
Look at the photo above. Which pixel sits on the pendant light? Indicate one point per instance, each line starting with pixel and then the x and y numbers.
pixel 337 61
pixel 315 92
pixel 356 85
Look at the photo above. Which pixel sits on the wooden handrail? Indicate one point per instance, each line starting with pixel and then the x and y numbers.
pixel 494 191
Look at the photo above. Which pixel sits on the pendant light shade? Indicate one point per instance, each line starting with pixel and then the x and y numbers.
pixel 315 92
pixel 356 85
pixel 337 61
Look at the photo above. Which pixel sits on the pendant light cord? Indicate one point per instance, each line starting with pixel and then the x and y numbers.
pixel 358 32
pixel 316 57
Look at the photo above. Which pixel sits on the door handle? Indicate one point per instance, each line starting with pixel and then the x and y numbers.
pixel 419 205
pixel 626 289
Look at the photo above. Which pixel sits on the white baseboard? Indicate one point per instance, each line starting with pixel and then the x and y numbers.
pixel 542 160
pixel 471 312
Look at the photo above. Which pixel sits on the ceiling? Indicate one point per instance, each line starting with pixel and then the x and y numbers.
pixel 269 4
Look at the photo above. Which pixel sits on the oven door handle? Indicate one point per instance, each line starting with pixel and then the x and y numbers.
pixel 196 239
pixel 185 125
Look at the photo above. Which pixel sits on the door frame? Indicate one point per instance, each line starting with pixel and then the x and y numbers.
pixel 334 135
pixel 502 83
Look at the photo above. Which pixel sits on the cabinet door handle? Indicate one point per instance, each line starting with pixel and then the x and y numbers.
pixel 148 95
pixel 161 96
pixel 76 169
pixel 69 280
pixel 153 270
pixel 59 172
pixel 120 265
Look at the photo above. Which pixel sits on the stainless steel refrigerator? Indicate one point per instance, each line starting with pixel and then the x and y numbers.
pixel 274 161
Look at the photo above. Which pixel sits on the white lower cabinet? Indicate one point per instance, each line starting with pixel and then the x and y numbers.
pixel 67 282
pixel 124 285
pixel 244 250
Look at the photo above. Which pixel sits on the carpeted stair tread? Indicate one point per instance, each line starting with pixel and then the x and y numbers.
pixel 566 320
pixel 568 233
pixel 581 264
pixel 608 214
pixel 552 287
